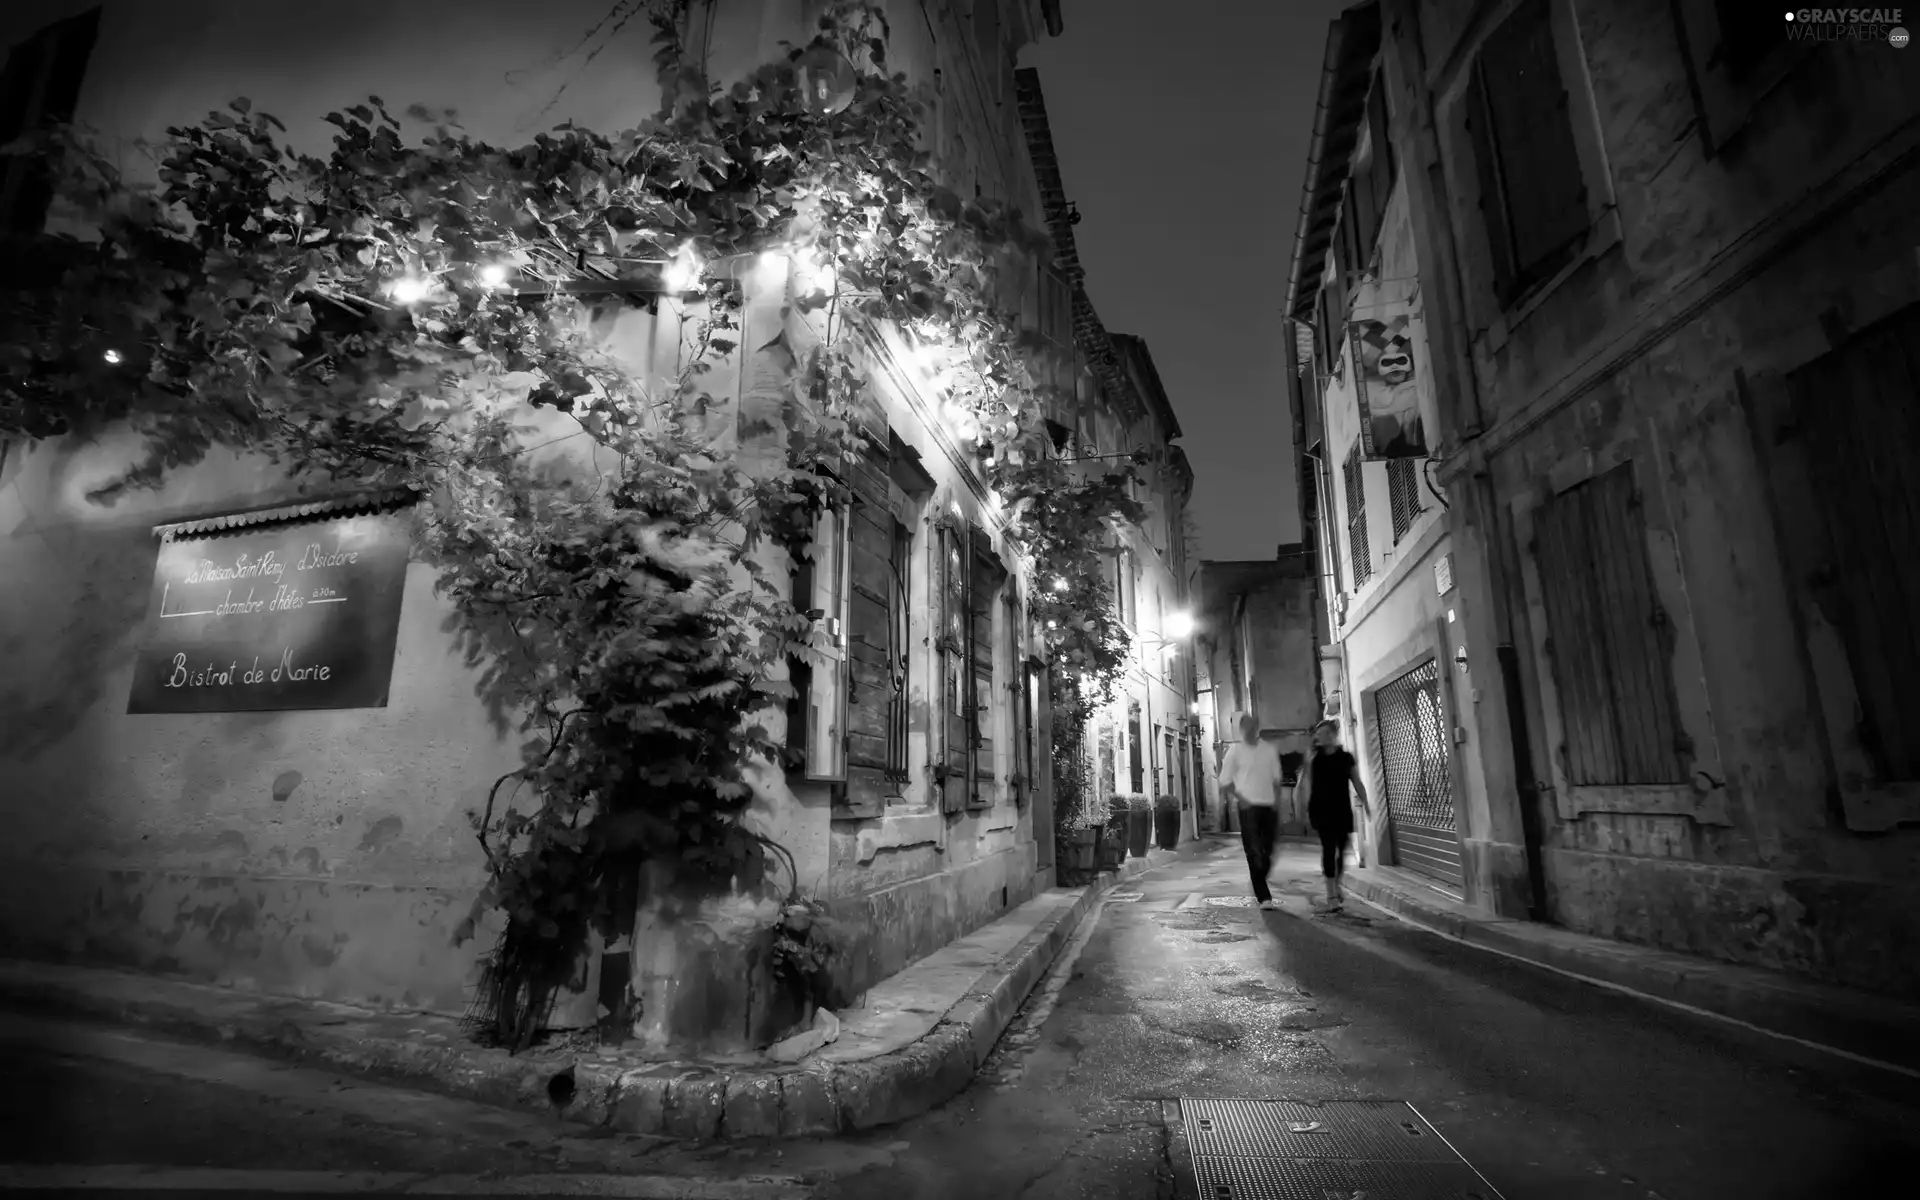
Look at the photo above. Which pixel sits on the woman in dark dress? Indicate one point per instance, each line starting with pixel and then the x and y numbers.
pixel 1332 782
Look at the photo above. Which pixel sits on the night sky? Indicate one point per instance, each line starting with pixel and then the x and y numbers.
pixel 1182 131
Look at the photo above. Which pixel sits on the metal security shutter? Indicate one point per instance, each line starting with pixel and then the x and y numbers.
pixel 1416 772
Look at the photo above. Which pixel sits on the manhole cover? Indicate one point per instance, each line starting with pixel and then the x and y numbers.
pixel 1330 1179
pixel 1342 1150
pixel 1229 901
pixel 1342 1129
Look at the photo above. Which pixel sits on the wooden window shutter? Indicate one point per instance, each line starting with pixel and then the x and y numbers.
pixel 953 744
pixel 869 640
pixel 1136 763
pixel 1852 424
pixel 1531 122
pixel 899 651
pixel 1493 202
pixel 1383 167
pixel 982 703
pixel 1610 643
pixel 824 697
pixel 39 86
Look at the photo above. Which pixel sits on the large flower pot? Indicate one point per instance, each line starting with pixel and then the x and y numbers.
pixel 1139 832
pixel 1113 849
pixel 1166 828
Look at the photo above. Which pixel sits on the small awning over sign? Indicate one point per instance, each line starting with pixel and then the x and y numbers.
pixel 336 506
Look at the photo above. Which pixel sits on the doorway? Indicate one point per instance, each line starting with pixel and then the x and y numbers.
pixel 1411 724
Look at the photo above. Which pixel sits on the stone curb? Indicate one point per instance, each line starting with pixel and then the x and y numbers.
pixel 1852 1022
pixel 671 1100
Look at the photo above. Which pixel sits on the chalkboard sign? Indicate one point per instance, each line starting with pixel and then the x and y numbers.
pixel 289 616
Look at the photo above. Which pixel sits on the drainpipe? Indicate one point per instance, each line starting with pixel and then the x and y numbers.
pixel 1307 487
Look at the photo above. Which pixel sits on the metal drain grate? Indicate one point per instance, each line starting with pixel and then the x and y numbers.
pixel 1229 901
pixel 1279 1129
pixel 1349 1150
pixel 1123 897
pixel 1335 1179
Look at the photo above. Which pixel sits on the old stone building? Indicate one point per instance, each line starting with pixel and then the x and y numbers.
pixel 1260 631
pixel 1651 599
pixel 329 853
pixel 1147 741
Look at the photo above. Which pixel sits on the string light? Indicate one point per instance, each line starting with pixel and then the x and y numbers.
pixel 410 290
pixel 493 275
pixel 684 271
pixel 114 357
pixel 1059 583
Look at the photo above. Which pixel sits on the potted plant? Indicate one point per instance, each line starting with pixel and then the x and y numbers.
pixel 1113 846
pixel 1139 825
pixel 1166 822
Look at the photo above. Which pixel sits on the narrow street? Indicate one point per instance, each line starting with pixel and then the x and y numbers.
pixel 1549 1086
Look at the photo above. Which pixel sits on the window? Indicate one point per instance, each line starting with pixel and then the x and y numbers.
pixel 1748 35
pixel 1403 494
pixel 1369 184
pixel 954 749
pixel 1609 642
pixel 1850 529
pixel 1020 715
pixel 988 576
pixel 1136 764
pixel 40 85
pixel 899 649
pixel 820 680
pixel 1736 52
pixel 1533 193
pixel 1357 546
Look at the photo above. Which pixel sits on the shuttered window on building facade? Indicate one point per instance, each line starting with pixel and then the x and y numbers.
pixel 875 658
pixel 988 578
pixel 1136 760
pixel 1020 720
pixel 820 674
pixel 1357 543
pixel 39 86
pixel 1609 641
pixel 954 743
pixel 1403 495
pixel 899 650
pixel 1533 193
pixel 1853 421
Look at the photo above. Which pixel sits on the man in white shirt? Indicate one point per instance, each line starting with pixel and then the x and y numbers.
pixel 1250 777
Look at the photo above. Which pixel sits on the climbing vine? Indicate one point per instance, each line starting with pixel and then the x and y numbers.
pixel 431 311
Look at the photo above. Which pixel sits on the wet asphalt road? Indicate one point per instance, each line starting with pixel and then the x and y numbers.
pixel 1551 1087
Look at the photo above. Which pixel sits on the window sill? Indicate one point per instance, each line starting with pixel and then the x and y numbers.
pixel 1603 235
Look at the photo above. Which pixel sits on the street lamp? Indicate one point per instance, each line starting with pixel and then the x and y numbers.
pixel 1179 624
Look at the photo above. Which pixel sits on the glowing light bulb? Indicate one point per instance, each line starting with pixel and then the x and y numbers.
pixel 1179 624
pixel 1053 624
pixel 493 274
pixel 114 357
pixel 408 291
pixel 1059 584
pixel 684 271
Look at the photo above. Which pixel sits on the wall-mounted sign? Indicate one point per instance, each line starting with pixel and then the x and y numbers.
pixel 1388 393
pixel 1443 577
pixel 287 616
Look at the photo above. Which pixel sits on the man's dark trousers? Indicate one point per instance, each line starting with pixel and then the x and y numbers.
pixel 1259 828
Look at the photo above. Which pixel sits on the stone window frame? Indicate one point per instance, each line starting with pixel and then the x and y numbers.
pixel 1492 317
pixel 1704 798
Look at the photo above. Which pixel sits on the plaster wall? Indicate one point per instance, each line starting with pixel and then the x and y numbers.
pixel 329 854
pixel 1708 269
